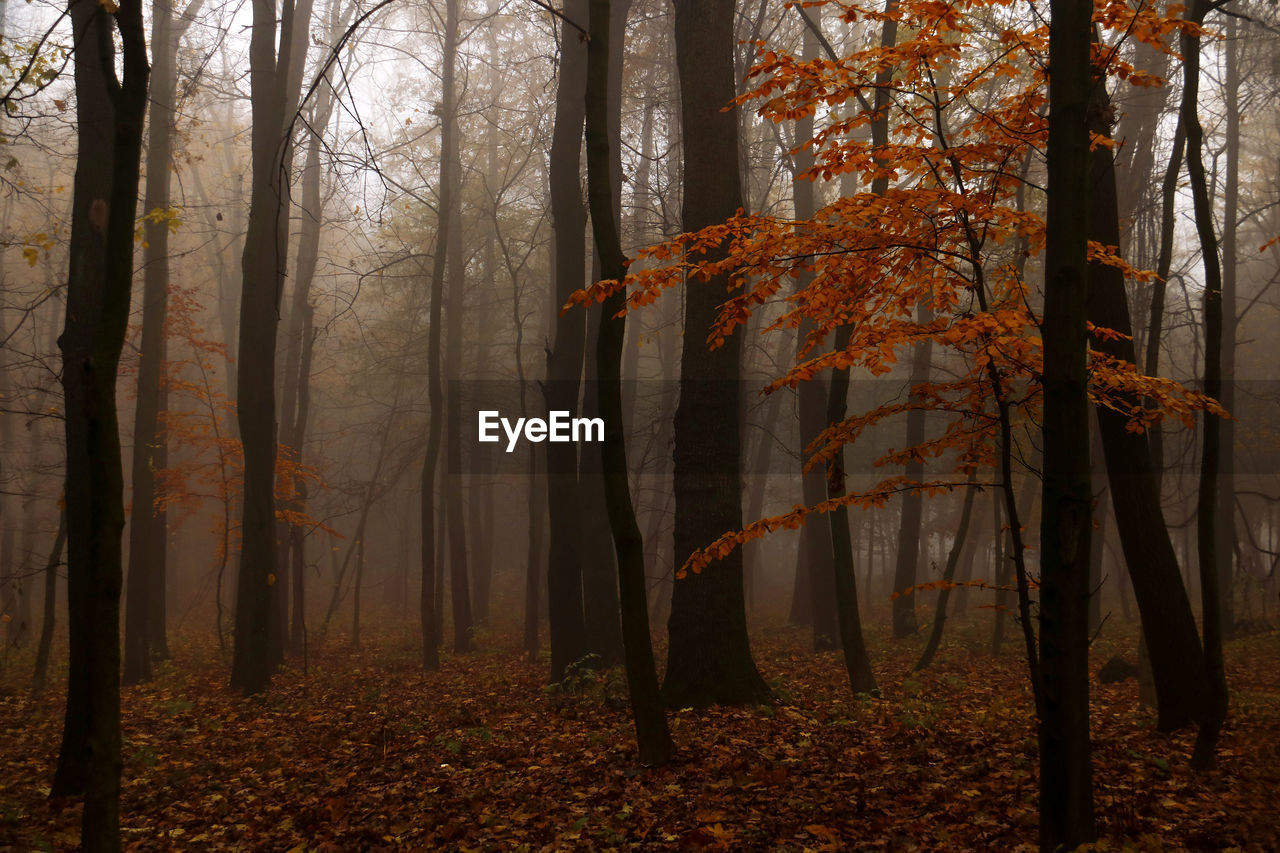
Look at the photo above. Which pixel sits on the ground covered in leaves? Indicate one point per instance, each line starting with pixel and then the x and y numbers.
pixel 364 751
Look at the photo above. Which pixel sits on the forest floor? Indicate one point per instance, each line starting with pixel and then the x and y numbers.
pixel 365 752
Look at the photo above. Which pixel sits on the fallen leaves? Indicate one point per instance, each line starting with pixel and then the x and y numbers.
pixel 366 752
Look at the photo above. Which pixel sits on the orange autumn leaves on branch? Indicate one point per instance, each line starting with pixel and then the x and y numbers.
pixel 206 459
pixel 947 253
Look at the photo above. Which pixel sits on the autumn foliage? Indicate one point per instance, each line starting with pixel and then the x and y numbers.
pixel 948 254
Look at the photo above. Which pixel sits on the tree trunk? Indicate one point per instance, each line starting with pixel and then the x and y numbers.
pixel 1224 522
pixel 652 736
pixel 564 361
pixel 144 629
pixel 908 553
pixel 1211 438
pixel 1168 622
pixel 1066 786
pixel 274 83
pixel 709 658
pixel 948 575
pixel 109 115
pixel 857 664
pixel 815 572
pixel 49 617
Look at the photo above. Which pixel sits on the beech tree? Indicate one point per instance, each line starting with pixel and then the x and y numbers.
pixel 110 111
pixel 276 57
pixel 709 659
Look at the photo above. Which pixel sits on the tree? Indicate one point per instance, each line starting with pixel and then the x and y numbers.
pixel 275 79
pixel 1066 520
pixel 709 659
pixel 109 120
pixel 568 633
pixel 652 735
pixel 144 630
pixel 1207 498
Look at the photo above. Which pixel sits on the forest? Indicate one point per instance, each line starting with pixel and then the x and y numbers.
pixel 788 425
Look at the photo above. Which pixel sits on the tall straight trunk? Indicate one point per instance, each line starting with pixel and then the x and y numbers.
pixel 533 550
pixel 856 662
pixel 144 629
pixel 652 736
pixel 109 115
pixel 49 616
pixel 455 520
pixel 709 657
pixel 1164 264
pixel 600 609
pixel 1211 438
pixel 958 547
pixel 1004 573
pixel 275 78
pixel 295 381
pixel 815 571
pixel 908 553
pixel 564 361
pixel 1066 784
pixel 1224 521
pixel 1169 625
pixel 446 225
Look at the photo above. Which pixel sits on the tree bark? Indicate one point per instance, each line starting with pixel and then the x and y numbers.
pixel 652 736
pixel 49 616
pixel 109 114
pixel 1211 438
pixel 709 657
pixel 274 83
pixel 564 361
pixel 1066 786
pixel 1168 622
pixel 906 562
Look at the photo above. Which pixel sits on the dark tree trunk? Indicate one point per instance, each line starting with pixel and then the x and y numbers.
pixel 1211 438
pixel 564 361
pixel 709 659
pixel 144 628
pixel 815 572
pixel 857 664
pixel 295 386
pixel 455 519
pixel 908 553
pixel 958 547
pixel 1167 619
pixel 652 736
pixel 1066 786
pixel 274 81
pixel 49 617
pixel 1225 504
pixel 109 115
pixel 600 607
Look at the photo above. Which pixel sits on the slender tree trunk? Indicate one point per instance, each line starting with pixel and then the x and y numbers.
pixel 49 617
pixel 857 664
pixel 144 633
pixel 1224 522
pixel 1066 786
pixel 907 558
pixel 1167 619
pixel 815 571
pixel 1211 439
pixel 110 114
pixel 274 82
pixel 948 575
pixel 455 520
pixel 652 735
pixel 709 657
